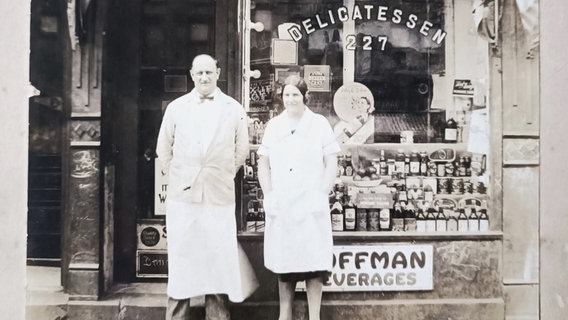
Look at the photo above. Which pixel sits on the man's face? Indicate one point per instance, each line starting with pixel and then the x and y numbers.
pixel 204 74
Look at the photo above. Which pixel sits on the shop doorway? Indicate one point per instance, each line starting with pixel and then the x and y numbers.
pixel 148 53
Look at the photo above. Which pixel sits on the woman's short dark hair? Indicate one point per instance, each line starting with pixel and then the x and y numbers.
pixel 299 83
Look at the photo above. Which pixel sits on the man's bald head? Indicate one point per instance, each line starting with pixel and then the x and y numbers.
pixel 203 58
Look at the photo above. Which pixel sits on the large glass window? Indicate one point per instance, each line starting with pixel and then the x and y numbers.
pixel 404 89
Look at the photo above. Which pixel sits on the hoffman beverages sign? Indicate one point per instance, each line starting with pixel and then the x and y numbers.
pixel 381 268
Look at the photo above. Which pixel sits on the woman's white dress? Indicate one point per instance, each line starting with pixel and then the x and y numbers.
pixel 298 226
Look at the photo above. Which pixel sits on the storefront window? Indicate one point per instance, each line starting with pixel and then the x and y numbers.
pixel 403 88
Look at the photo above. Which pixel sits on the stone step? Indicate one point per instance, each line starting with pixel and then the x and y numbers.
pixel 151 307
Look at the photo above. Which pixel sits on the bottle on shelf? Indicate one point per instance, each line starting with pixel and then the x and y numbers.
pixel 337 214
pixel 350 214
pixel 420 220
pixel 483 217
pixel 406 172
pixel 410 218
pixel 473 220
pixel 430 220
pixel 423 163
pixel 383 168
pixel 348 165
pixel 391 167
pixel 341 165
pixel 452 224
pixel 414 163
pixel 451 131
pixel 373 222
pixel 260 218
pixel 462 220
pixel 467 165
pixel 462 169
pixel 251 218
pixel 397 219
pixel 402 195
pixel 428 193
pixel 384 219
pixel 441 221
pixel 361 224
pixel 399 162
pixel 438 127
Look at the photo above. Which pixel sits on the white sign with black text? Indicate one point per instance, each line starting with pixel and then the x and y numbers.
pixel 160 188
pixel 397 267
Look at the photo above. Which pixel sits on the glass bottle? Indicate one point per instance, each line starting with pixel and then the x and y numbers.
pixel 406 165
pixel 361 224
pixel 441 221
pixel 399 162
pixel 384 219
pixel 423 163
pixel 373 222
pixel 383 168
pixel 260 218
pixel 414 164
pixel 420 220
pixel 397 217
pixel 348 165
pixel 341 165
pixel 251 218
pixel 337 215
pixel 410 218
pixel 483 217
pixel 473 220
pixel 430 220
pixel 350 215
pixel 451 131
pixel 462 221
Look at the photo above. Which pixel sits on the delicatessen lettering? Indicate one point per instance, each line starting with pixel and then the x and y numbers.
pixel 367 12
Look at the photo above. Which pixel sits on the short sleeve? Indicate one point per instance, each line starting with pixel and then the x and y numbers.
pixel 329 142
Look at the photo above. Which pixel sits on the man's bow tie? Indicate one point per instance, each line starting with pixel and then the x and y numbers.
pixel 205 98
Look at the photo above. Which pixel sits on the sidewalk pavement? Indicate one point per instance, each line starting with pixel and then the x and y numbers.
pixel 45 300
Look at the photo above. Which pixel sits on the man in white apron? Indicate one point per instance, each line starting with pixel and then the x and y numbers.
pixel 203 141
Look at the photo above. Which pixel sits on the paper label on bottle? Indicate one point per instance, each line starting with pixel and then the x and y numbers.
pixel 337 222
pixel 362 220
pixel 397 224
pixel 421 225
pixel 452 224
pixel 483 225
pixel 430 225
pixel 350 219
pixel 415 167
pixel 451 134
pixel 373 224
pixel 463 225
pixel 473 225
pixel 410 224
pixel 384 219
pixel 441 225
pixel 399 166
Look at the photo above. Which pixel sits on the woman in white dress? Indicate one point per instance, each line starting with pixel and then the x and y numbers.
pixel 296 171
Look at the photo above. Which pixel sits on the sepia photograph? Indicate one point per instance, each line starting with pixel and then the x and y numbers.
pixel 285 160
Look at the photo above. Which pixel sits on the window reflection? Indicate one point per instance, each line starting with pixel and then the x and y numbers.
pixel 393 48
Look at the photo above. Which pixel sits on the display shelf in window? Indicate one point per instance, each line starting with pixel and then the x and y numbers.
pixel 391 236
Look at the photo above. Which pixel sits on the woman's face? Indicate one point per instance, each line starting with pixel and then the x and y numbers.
pixel 293 99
